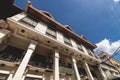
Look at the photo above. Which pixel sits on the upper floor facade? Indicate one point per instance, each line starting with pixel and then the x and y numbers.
pixel 42 27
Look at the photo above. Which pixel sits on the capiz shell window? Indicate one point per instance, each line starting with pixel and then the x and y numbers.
pixel 80 47
pixel 29 21
pixel 89 52
pixel 51 32
pixel 67 40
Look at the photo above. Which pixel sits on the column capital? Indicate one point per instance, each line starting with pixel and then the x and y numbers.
pixel 99 66
pixel 12 72
pixel 56 54
pixel 84 61
pixel 73 59
pixel 85 65
pixel 32 45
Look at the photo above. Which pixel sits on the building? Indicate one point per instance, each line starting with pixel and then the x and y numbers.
pixel 109 69
pixel 116 63
pixel 33 46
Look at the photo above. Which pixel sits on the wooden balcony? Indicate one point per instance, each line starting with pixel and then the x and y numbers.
pixel 11 54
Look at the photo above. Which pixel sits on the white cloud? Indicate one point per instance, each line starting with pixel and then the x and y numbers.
pixel 107 46
pixel 116 1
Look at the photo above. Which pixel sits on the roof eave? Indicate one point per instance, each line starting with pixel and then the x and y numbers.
pixel 31 10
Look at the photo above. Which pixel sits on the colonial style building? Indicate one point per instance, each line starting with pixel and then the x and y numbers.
pixel 33 46
pixel 109 69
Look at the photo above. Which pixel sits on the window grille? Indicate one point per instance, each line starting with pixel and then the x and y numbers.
pixel 51 32
pixel 67 41
pixel 89 52
pixel 79 46
pixel 29 21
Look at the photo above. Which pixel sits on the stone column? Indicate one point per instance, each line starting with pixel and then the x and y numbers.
pixel 23 77
pixel 75 68
pixel 43 77
pixel 102 72
pixel 88 71
pixel 10 75
pixel 113 73
pixel 56 65
pixel 21 69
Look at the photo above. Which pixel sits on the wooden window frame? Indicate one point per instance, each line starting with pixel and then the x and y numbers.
pixel 51 32
pixel 67 41
pixel 79 46
pixel 29 20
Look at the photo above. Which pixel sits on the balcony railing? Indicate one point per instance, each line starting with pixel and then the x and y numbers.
pixel 40 61
pixel 67 71
pixel 11 54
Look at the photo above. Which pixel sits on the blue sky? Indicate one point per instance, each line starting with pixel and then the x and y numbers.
pixel 98 20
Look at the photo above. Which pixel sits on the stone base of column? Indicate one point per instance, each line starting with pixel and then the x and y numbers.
pixel 10 76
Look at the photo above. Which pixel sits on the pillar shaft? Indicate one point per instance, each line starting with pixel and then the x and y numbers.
pixel 23 77
pixel 56 65
pixel 21 69
pixel 75 69
pixel 43 78
pixel 88 71
pixel 10 76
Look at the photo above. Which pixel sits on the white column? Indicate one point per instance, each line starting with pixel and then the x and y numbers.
pixel 75 68
pixel 88 71
pixel 43 78
pixel 21 69
pixel 69 78
pixel 56 65
pixel 23 77
pixel 113 73
pixel 10 76
pixel 102 72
